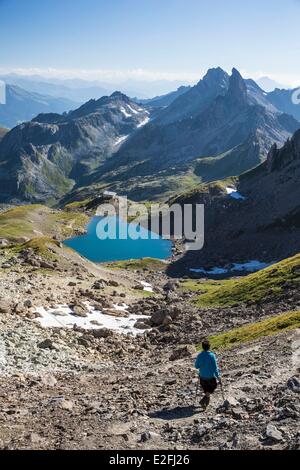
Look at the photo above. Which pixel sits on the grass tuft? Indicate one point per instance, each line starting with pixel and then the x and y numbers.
pixel 245 334
pixel 149 264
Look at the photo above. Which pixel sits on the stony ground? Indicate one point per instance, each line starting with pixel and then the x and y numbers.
pixel 71 389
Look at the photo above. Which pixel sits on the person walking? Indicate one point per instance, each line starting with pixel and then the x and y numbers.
pixel 209 372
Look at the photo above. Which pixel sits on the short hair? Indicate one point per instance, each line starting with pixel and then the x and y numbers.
pixel 206 345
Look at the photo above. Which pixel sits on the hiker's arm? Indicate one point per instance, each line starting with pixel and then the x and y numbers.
pixel 197 362
pixel 217 370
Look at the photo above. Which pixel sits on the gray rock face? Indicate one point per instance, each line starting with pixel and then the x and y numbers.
pixel 262 226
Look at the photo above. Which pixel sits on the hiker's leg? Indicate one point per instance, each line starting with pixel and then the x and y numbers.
pixel 203 402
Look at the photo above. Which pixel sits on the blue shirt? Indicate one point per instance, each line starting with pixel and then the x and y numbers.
pixel 207 364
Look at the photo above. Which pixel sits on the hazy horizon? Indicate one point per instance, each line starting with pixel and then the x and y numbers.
pixel 170 41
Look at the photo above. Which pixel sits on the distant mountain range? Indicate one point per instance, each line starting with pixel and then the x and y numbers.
pixel 22 106
pixel 77 91
pixel 221 127
pixel 80 90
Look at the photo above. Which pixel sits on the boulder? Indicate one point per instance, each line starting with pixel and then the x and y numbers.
pixel 102 333
pixel 171 286
pixel 4 306
pixel 46 265
pixel 148 435
pixel 273 434
pixel 139 325
pixel 182 352
pixel 158 317
pixel 168 320
pixel 294 384
pixel 79 310
pixel 46 344
pixel 66 405
pixel 84 342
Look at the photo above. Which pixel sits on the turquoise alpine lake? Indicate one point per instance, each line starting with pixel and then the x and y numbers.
pixel 102 250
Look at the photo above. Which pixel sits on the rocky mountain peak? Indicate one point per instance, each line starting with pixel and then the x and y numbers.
pixel 119 96
pixel 237 90
pixel 215 76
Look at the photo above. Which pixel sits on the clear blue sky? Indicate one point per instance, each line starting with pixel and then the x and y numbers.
pixel 173 37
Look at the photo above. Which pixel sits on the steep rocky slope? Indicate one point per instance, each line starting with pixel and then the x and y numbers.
pixel 86 390
pixel 42 159
pixel 255 216
pixel 65 387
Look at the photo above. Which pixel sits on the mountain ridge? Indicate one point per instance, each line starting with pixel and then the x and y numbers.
pixel 221 127
pixel 226 118
pixel 40 159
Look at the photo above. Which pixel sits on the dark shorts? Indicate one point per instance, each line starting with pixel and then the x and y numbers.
pixel 209 385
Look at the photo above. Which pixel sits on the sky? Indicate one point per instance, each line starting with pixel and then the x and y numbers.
pixel 115 40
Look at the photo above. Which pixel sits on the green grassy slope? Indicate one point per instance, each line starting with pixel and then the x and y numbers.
pixel 35 221
pixel 245 334
pixel 271 283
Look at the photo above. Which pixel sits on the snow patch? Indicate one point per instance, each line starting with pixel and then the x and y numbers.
pixel 249 266
pixel 143 122
pixel 126 114
pixel 134 111
pixel 233 192
pixel 211 272
pixel 63 317
pixel 120 140
pixel 147 287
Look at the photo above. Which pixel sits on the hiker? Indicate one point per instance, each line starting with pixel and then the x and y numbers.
pixel 209 373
